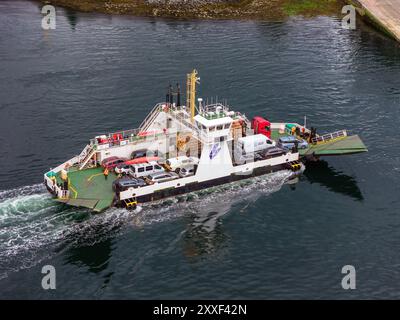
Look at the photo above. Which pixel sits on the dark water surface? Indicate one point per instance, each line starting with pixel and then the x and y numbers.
pixel 266 239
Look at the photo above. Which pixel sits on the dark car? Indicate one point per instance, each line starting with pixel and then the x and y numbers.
pixel 270 152
pixel 125 183
pixel 142 153
pixel 112 162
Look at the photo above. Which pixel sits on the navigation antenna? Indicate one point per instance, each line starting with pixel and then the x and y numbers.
pixel 192 80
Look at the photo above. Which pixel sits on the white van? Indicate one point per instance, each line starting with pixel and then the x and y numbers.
pixel 175 164
pixel 145 169
pixel 246 147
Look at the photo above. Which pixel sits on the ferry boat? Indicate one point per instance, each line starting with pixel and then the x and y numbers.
pixel 183 148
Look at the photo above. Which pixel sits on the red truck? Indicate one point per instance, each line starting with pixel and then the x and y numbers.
pixel 261 126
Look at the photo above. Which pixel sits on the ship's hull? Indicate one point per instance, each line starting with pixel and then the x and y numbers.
pixel 197 186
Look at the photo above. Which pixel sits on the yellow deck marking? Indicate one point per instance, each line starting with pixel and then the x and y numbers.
pixel 72 188
pixel 94 175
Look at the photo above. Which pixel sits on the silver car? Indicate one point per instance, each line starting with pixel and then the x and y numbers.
pixel 162 177
pixel 186 171
pixel 123 168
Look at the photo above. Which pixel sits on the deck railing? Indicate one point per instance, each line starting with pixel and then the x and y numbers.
pixel 133 135
pixel 61 194
pixel 329 137
pixel 184 119
pixel 52 184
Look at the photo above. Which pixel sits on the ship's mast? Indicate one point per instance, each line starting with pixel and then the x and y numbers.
pixel 192 79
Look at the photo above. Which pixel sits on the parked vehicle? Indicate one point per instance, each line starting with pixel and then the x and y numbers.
pixel 161 177
pixel 141 153
pixel 112 162
pixel 186 171
pixel 175 164
pixel 288 142
pixel 261 126
pixel 145 169
pixel 123 168
pixel 247 147
pixel 270 152
pixel 142 160
pixel 123 184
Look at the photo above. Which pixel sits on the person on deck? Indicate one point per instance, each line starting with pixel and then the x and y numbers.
pixel 105 172
pixel 303 131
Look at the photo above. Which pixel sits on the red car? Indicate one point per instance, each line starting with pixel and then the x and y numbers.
pixel 112 162
pixel 142 160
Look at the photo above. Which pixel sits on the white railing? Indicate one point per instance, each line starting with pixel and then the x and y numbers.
pixel 61 194
pixel 52 184
pixel 184 120
pixel 49 182
pixel 329 137
pixel 66 164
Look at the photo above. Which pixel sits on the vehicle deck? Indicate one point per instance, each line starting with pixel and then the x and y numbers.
pixel 340 146
pixel 89 188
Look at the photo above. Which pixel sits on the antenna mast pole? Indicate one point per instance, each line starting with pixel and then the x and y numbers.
pixel 192 80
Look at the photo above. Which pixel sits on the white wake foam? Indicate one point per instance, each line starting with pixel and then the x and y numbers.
pixel 217 199
pixel 33 226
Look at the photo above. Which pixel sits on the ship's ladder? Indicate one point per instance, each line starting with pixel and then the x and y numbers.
pixel 84 153
pixel 150 118
pixel 329 137
pixel 89 154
